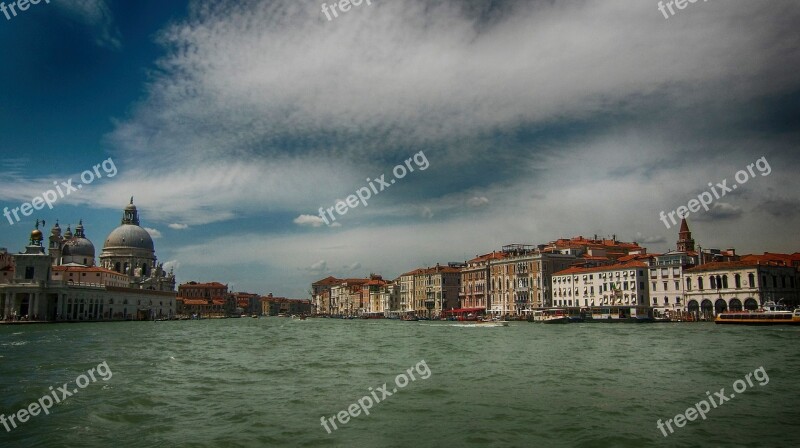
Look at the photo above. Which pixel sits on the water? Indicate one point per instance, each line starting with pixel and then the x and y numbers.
pixel 267 382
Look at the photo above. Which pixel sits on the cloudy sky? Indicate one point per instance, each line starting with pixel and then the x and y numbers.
pixel 233 122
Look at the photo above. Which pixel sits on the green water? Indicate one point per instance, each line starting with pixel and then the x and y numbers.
pixel 267 382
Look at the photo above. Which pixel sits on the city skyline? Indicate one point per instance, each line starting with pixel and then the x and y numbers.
pixel 232 124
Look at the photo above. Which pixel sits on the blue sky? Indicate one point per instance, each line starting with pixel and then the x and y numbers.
pixel 233 122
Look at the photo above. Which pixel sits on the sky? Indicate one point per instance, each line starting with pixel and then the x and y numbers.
pixel 232 123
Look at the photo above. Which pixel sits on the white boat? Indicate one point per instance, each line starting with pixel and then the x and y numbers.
pixel 551 316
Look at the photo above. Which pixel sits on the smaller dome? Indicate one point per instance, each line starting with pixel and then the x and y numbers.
pixel 78 247
pixel 36 235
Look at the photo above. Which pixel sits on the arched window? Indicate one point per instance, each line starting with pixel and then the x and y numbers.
pixel 752 280
pixel 725 281
pixel 713 282
pixel 700 283
pixel 688 283
pixel 737 280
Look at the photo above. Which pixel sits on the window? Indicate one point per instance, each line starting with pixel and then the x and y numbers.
pixel 654 286
pixel 713 282
pixel 737 280
pixel 29 271
pixel 752 279
pixel 688 283
pixel 700 283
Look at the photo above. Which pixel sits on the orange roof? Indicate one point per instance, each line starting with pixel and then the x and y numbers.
pixel 490 256
pixel 193 301
pixel 202 285
pixel 330 280
pixel 774 258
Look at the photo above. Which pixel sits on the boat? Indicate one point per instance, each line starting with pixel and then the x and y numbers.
pixel 492 323
pixel 482 323
pixel 619 314
pixel 770 313
pixel 551 316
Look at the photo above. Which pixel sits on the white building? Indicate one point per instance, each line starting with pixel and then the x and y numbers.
pixel 713 288
pixel 619 284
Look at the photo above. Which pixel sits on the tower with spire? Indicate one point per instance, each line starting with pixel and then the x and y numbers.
pixel 685 241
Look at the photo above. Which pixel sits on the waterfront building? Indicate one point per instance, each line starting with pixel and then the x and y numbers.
pixel 474 280
pixel 429 291
pixel 618 284
pixel 41 286
pixel 348 297
pixel 719 286
pixel 381 297
pixel 522 280
pixel 203 299
pixel 407 291
pixel 248 303
pixel 321 294
pixel 273 306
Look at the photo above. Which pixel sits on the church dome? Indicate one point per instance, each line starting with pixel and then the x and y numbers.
pixel 78 247
pixel 129 236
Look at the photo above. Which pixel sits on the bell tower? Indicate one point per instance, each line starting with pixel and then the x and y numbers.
pixel 685 241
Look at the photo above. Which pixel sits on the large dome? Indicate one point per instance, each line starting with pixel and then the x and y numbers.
pixel 129 236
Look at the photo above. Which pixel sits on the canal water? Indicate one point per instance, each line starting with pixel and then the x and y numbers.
pixel 268 382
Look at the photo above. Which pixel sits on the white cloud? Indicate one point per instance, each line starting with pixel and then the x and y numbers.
pixel 320 267
pixel 309 220
pixel 178 226
pixel 352 267
pixel 156 234
pixel 477 201
pixel 172 264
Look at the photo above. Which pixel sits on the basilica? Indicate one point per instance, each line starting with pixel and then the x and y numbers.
pixel 67 283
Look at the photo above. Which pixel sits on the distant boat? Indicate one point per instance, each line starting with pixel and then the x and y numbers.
pixel 619 314
pixel 769 314
pixel 551 316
